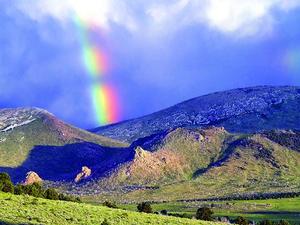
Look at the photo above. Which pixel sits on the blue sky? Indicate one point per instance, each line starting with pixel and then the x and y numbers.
pixel 162 52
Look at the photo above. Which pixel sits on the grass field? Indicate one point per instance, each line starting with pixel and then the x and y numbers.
pixel 272 209
pixel 16 209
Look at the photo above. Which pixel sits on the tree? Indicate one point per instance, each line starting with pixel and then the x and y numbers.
pixel 34 189
pixel 51 193
pixel 110 204
pixel 164 212
pixel 4 176
pixel 204 213
pixel 5 183
pixel 18 189
pixel 144 207
pixel 241 221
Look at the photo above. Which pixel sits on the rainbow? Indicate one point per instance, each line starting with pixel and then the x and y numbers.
pixel 103 95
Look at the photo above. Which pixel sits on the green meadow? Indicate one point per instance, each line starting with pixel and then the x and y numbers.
pixel 256 210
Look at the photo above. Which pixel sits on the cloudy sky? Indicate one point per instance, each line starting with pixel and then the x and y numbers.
pixel 159 52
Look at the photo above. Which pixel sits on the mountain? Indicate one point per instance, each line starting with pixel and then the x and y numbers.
pixel 32 139
pixel 194 163
pixel 226 144
pixel 240 110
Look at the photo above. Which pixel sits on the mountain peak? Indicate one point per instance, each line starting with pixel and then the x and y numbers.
pixel 11 118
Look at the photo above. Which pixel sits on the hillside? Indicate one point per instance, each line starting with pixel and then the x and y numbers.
pixel 202 163
pixel 29 210
pixel 29 137
pixel 176 164
pixel 242 110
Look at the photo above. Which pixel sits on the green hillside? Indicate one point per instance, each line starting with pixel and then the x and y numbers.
pixel 192 164
pixel 29 210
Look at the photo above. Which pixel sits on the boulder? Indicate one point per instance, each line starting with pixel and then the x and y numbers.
pixel 85 173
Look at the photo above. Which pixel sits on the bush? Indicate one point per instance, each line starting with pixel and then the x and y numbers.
pixel 52 194
pixel 164 212
pixel 204 213
pixel 110 204
pixel 241 221
pixel 18 189
pixel 34 189
pixel 4 176
pixel 68 198
pixel 5 183
pixel 144 207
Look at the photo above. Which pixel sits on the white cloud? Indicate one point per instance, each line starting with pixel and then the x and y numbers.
pixel 241 17
pixel 245 17
pixel 93 11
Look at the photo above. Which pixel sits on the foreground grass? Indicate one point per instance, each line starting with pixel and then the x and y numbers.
pixel 272 209
pixel 16 209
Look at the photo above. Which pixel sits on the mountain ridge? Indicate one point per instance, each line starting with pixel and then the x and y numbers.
pixel 262 105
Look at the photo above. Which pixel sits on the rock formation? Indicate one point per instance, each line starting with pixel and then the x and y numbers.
pixel 32 177
pixel 85 173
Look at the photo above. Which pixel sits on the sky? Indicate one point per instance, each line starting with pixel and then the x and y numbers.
pixel 152 54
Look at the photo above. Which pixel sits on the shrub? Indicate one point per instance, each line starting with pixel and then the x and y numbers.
pixel 144 207
pixel 164 212
pixel 110 204
pixel 204 213
pixel 51 193
pixel 7 186
pixel 5 183
pixel 241 221
pixel 34 189
pixel 4 176
pixel 18 189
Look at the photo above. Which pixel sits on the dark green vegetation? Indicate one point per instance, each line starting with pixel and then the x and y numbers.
pixel 144 207
pixel 204 213
pixel 19 209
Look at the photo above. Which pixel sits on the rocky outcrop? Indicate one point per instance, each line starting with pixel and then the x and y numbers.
pixel 31 178
pixel 85 173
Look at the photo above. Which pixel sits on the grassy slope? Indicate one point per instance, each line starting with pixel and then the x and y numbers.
pixel 174 159
pixel 29 210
